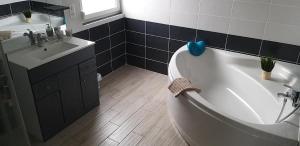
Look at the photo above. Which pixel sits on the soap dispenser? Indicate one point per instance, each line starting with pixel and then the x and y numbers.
pixel 49 31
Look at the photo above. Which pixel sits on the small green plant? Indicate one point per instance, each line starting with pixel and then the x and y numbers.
pixel 267 63
pixel 27 13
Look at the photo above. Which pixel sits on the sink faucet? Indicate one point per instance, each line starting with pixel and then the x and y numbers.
pixel 41 37
pixel 291 94
pixel 31 36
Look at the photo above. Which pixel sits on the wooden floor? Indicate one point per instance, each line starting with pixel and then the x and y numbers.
pixel 133 111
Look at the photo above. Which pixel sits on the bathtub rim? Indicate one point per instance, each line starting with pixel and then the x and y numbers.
pixel 263 130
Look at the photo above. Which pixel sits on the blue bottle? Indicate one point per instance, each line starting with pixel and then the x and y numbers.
pixel 196 48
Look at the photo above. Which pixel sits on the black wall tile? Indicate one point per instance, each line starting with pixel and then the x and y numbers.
pixel 157 67
pixel 103 58
pixel 5 10
pixel 118 51
pixel 99 32
pixel 102 45
pixel 117 63
pixel 117 26
pixel 170 56
pixel 19 7
pixel 157 29
pixel 117 39
pixel 157 42
pixel 136 38
pixel 135 25
pixel 135 49
pixel 38 6
pixel 175 45
pixel 212 39
pixel 83 35
pixel 243 44
pixel 105 69
pixel 157 55
pixel 135 61
pixel 181 33
pixel 280 51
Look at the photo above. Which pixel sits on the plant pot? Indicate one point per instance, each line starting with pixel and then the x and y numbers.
pixel 28 20
pixel 265 75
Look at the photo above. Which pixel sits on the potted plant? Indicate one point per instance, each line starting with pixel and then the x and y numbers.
pixel 27 14
pixel 267 65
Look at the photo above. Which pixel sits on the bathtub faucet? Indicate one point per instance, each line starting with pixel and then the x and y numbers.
pixel 291 94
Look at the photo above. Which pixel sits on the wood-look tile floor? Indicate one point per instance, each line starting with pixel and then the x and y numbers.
pixel 132 111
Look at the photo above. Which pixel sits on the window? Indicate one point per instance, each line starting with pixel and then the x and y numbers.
pixel 97 9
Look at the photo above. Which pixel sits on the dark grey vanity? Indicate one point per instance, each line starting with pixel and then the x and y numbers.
pixel 57 92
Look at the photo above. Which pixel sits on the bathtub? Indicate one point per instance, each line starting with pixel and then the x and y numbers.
pixel 235 107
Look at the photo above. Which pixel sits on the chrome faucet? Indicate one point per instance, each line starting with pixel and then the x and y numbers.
pixel 31 36
pixel 291 94
pixel 41 37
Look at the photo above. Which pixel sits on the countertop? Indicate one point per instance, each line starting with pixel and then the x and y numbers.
pixel 22 56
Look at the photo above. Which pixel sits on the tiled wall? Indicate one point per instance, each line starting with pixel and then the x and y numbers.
pixel 110 45
pixel 255 27
pixel 150 45
pixel 13 8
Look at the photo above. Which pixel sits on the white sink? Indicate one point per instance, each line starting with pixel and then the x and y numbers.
pixel 51 50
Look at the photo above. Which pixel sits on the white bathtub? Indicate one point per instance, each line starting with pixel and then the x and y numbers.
pixel 235 107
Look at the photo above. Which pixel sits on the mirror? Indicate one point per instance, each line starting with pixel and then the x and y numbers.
pixel 17 16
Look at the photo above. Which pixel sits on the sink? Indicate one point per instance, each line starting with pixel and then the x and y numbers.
pixel 52 50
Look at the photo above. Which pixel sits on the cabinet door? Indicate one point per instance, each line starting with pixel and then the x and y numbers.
pixel 50 115
pixel 69 84
pixel 90 90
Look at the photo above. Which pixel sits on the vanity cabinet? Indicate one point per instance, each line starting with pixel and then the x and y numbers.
pixel 50 114
pixel 55 94
pixel 71 99
pixel 89 86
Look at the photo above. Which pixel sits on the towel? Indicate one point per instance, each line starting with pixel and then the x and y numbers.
pixel 181 85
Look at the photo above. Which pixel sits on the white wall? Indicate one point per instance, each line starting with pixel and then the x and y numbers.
pixel 2 2
pixel 275 20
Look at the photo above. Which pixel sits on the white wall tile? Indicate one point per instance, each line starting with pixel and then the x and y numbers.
pixel 287 2
pixel 184 19
pixel 260 1
pixel 216 7
pixel 285 14
pixel 213 23
pixel 250 11
pixel 283 33
pixel 134 9
pixel 250 29
pixel 2 2
pixel 158 11
pixel 188 6
pixel 158 16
